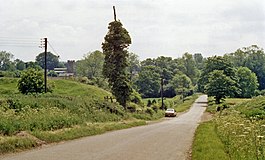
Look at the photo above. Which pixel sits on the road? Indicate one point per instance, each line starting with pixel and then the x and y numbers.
pixel 170 139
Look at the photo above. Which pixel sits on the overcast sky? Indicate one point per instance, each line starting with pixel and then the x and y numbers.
pixel 168 27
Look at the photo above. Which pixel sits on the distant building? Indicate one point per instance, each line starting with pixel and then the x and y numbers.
pixel 62 72
pixel 70 65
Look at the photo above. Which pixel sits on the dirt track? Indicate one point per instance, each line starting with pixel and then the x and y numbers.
pixel 170 139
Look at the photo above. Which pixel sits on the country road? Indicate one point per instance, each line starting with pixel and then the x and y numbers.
pixel 167 140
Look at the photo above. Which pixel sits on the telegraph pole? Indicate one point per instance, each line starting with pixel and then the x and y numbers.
pixel 45 65
pixel 162 90
pixel 114 13
pixel 45 61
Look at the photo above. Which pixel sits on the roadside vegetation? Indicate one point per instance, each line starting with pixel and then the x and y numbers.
pixel 240 128
pixel 71 111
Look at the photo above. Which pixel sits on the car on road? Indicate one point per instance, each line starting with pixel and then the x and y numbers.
pixel 170 112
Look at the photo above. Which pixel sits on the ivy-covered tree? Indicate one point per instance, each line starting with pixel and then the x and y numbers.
pixel 114 48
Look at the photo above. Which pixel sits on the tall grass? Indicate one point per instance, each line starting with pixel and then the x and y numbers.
pixel 241 129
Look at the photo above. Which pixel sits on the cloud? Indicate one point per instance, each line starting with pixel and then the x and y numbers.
pixel 169 27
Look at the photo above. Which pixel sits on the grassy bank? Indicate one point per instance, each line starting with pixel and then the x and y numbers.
pixel 240 128
pixel 73 110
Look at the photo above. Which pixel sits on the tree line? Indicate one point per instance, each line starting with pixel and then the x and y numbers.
pixel 238 74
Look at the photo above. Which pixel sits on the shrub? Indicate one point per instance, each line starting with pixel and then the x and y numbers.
pixel 31 81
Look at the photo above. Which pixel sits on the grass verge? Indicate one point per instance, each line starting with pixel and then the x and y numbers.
pixel 85 130
pixel 18 143
pixel 181 107
pixel 13 144
pixel 207 145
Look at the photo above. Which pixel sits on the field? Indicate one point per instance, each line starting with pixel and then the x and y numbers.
pixel 240 128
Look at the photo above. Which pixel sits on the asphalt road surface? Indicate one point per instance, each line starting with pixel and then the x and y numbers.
pixel 167 140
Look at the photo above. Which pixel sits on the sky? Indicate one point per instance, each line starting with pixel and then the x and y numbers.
pixel 157 28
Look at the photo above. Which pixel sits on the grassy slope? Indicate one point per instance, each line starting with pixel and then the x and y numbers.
pixel 68 109
pixel 244 118
pixel 73 110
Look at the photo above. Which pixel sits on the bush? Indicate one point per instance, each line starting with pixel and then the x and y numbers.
pixel 31 81
pixel 135 97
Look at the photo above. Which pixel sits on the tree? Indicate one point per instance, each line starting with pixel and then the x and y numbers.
pixel 20 65
pixel 148 82
pixel 199 60
pixel 252 57
pixel 215 63
pixel 247 82
pixel 5 61
pixel 114 48
pixel 92 65
pixel 182 84
pixel 31 81
pixel 52 60
pixel 134 64
pixel 190 67
pixel 220 85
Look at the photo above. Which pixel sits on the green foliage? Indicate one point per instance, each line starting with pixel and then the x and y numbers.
pixel 116 61
pixel 148 82
pixel 243 138
pixel 91 66
pixel 12 144
pixel 20 65
pixel 182 84
pixel 240 128
pixel 253 108
pixel 220 85
pixel 31 81
pixel 215 63
pixel 190 67
pixel 135 97
pixel 252 57
pixel 134 64
pixel 247 82
pixel 88 129
pixel 52 60
pixel 5 61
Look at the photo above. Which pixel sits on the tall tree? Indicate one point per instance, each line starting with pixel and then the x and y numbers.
pixel 252 57
pixel 148 82
pixel 215 63
pixel 92 65
pixel 198 58
pixel 52 60
pixel 20 65
pixel 190 67
pixel 182 84
pixel 5 61
pixel 114 48
pixel 247 82
pixel 220 86
pixel 134 64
